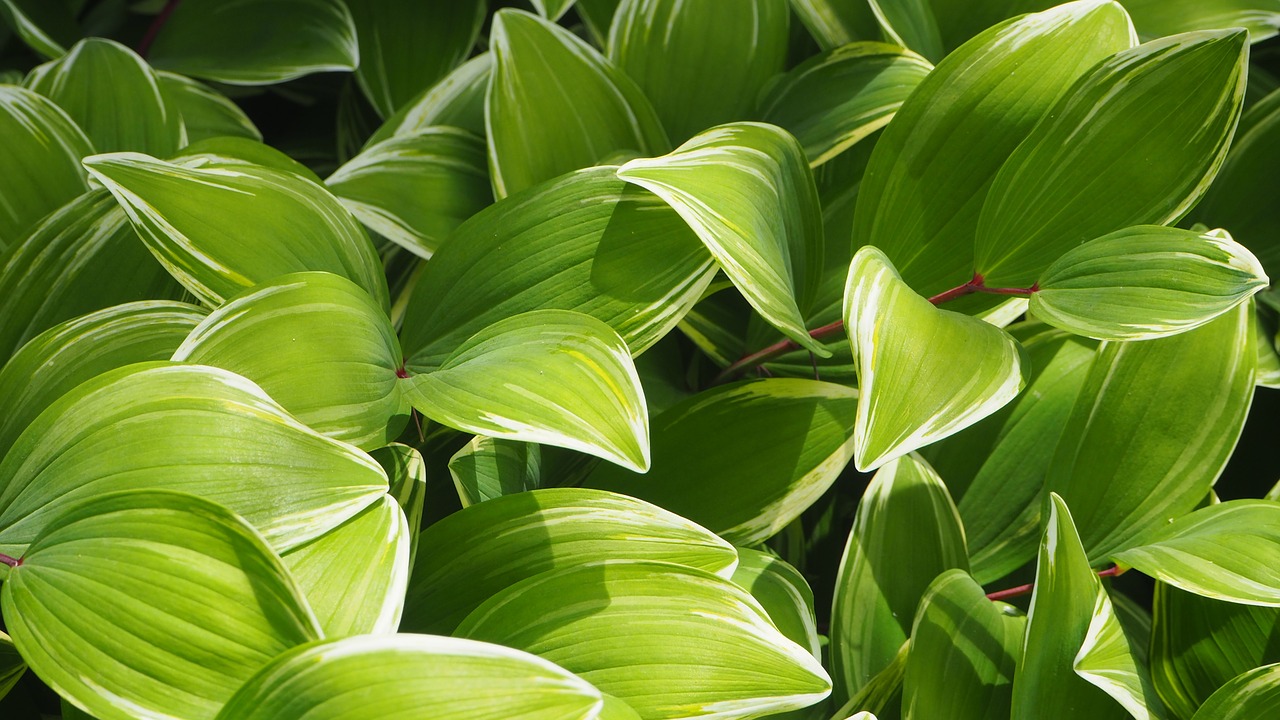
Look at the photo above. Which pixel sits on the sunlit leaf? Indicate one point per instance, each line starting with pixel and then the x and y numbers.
pixel 1252 694
pixel 1155 18
pixel 784 594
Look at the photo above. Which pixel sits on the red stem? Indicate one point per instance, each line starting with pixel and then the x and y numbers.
pixel 1021 590
pixel 9 560
pixel 144 46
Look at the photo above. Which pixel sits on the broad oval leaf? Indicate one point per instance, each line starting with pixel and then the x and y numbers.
pixel 546 81
pixel 923 373
pixel 833 100
pixel 319 346
pixel 747 192
pixel 549 376
pixel 784 594
pixel 906 509
pixel 586 242
pixel 487 547
pixel 1139 120
pixel 120 430
pixel 931 170
pixel 414 189
pixel 724 58
pixel 148 605
pixel 762 452
pixel 457 101
pixel 206 113
pixel 293 225
pixel 1156 18
pixel 708 649
pixel 1152 428
pixel 1146 282
pixel 223 40
pixel 114 96
pixel 411 677
pixel 1252 694
pixel 39 161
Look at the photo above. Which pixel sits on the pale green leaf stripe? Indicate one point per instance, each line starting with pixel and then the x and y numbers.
pixel 239 152
pixel 486 468
pixel 1157 18
pixel 911 24
pixel 784 594
pixel 47 27
pixel 409 677
pixel 923 373
pixel 407 476
pixel 152 605
pixel 1106 659
pixel 1251 695
pixel 119 431
pixel 472 551
pixel 554 377
pixel 1146 282
pixel 457 101
pixel 748 193
pixel 832 101
pixel 206 113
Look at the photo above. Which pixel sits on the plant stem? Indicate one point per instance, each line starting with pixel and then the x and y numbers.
pixel 9 560
pixel 144 46
pixel 1021 590
pixel 977 285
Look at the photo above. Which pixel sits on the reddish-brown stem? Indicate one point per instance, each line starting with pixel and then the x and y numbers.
pixel 978 285
pixel 144 46
pixel 9 560
pixel 1021 590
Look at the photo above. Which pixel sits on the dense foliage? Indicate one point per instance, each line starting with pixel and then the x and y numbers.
pixel 639 359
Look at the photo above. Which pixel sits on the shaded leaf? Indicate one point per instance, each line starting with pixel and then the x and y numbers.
pixel 407 481
pixel 47 26
pixel 783 593
pixel 486 468
pixel 1156 18
pixel 911 24
pixel 12 666
pixel 1252 694
pixel 837 22
pixel 206 113
pixel 457 100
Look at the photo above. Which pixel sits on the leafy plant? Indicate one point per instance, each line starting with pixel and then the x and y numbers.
pixel 618 359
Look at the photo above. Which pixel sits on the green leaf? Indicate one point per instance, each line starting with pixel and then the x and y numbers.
pixel 283 224
pixel 724 58
pixel 1252 694
pixel 964 649
pixel 113 95
pixel 67 354
pixel 82 257
pixel 784 594
pixel 1070 613
pixel 834 23
pixel 403 677
pixel 354 576
pixel 189 428
pixel 833 100
pixel 549 376
pixel 1139 120
pixel 1109 660
pixel 882 694
pixel 337 372
pixel 46 26
pixel 586 242
pixel 906 510
pixel 206 113
pixel 552 9
pixel 747 191
pixel 923 373
pixel 1152 428
pixel 708 649
pixel 1156 18
pixel 221 153
pixel 457 100
pixel 415 189
pixel 545 81
pixel 911 24
pixel 472 551
pixel 762 452
pixel 1229 551
pixel 407 475
pixel 39 161
pixel 152 604
pixel 486 468
pixel 1146 282
pixel 931 170
pixel 12 666
pixel 256 42
pixel 406 46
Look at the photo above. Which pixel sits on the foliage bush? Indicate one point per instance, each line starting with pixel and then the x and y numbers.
pixel 639 359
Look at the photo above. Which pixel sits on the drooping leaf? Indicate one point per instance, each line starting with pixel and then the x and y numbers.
pixel 39 161
pixel 67 354
pixel 549 376
pixel 586 242
pixel 923 373
pixel 708 648
pixel 487 468
pixel 406 46
pixel 490 546
pixel 113 95
pixel 414 189
pixel 833 100
pixel 924 187
pixel 152 605
pixel 725 58
pixel 762 452
pixel 747 191
pixel 256 42
pixel 121 430
pixel 1252 694
pixel 1157 18
pixel 1152 428
pixel 834 23
pixel 964 649
pixel 905 512
pixel 1146 282
pixel 337 372
pixel 1139 120
pixel 47 26
pixel 284 224
pixel 405 677
pixel 911 24
pixel 784 594
pixel 206 113
pixel 556 105
pixel 457 100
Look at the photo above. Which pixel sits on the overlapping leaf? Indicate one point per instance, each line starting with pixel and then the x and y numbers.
pixel 487 468
pixel 784 594
pixel 206 113
pixel 1252 694
pixel 911 24
pixel 457 101
pixel 48 26
pixel 837 22
pixel 12 666
pixel 1155 18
